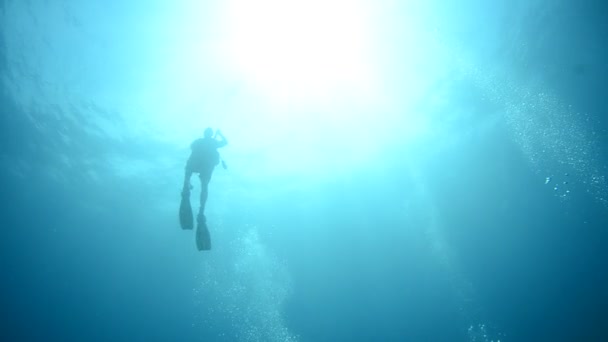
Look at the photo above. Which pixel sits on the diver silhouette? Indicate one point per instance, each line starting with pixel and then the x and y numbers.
pixel 203 160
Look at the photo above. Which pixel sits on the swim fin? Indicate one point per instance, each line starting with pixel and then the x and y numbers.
pixel 186 220
pixel 203 239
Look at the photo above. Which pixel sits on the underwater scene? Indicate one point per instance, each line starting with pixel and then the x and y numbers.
pixel 304 170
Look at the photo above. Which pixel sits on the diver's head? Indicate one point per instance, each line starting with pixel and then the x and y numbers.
pixel 208 133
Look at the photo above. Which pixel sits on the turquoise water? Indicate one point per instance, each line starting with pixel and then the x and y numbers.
pixel 397 170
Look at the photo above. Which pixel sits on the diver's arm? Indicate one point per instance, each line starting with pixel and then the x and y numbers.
pixel 223 141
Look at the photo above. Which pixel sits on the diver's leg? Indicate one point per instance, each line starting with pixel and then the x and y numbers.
pixel 205 178
pixel 187 186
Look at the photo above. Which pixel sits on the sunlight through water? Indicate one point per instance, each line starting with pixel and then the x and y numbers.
pixel 309 84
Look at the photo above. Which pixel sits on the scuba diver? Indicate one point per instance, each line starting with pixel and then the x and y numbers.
pixel 203 159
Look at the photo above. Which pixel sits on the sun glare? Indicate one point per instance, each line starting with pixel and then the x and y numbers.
pixel 300 85
pixel 291 50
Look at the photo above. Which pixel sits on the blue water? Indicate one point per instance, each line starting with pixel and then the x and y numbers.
pixel 397 171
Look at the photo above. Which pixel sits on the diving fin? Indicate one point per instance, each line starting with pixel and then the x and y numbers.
pixel 203 239
pixel 186 219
